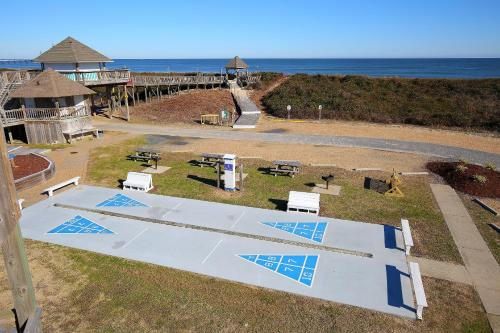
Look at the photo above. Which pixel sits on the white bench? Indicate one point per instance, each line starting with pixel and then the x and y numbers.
pixel 407 238
pixel 137 181
pixel 51 189
pixel 418 288
pixel 303 202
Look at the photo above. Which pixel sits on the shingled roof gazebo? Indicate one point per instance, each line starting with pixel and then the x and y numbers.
pixel 237 65
pixel 70 54
pixel 50 88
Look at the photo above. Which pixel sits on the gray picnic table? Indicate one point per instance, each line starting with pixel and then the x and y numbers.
pixel 210 159
pixel 147 154
pixel 286 167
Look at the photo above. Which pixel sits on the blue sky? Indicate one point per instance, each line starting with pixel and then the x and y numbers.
pixel 256 28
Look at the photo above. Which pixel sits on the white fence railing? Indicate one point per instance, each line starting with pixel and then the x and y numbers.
pixel 9 117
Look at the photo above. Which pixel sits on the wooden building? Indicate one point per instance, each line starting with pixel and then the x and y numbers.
pixel 53 108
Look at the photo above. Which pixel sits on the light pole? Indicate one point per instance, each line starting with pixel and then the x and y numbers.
pixel 288 108
pixel 320 107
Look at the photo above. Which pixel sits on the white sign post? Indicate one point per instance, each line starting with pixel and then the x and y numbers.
pixel 229 172
pixel 288 108
pixel 320 107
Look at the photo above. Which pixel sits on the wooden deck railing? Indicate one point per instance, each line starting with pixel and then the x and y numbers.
pixel 18 116
pixel 150 80
pixel 99 77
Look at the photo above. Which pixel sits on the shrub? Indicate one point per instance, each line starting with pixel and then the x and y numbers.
pixel 462 160
pixel 428 102
pixel 461 168
pixel 480 179
pixel 490 166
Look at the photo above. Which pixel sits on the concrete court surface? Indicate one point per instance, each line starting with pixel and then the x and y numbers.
pixel 348 262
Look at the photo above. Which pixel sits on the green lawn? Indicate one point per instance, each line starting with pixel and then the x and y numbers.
pixel 98 293
pixel 109 165
pixel 483 218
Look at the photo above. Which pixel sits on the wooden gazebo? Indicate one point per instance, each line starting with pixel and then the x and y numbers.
pixel 236 66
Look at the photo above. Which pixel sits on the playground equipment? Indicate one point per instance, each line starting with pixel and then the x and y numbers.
pixel 394 181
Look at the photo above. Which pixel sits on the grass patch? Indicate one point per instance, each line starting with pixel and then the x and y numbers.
pixel 482 219
pixel 432 239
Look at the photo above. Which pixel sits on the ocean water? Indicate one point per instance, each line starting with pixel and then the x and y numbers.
pixel 410 68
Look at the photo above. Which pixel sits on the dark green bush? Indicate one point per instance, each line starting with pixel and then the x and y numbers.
pixel 426 102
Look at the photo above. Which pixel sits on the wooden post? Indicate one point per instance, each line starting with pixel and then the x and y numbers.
pixel 16 263
pixel 9 131
pixel 58 110
pixel 133 95
pixel 218 174
pixel 241 177
pixel 146 94
pixel 126 102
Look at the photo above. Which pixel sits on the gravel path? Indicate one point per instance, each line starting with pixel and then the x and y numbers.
pixel 429 149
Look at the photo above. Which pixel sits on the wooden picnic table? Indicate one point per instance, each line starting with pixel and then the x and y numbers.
pixel 147 154
pixel 289 167
pixel 211 159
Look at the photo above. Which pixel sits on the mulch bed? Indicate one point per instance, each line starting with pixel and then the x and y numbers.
pixel 186 107
pixel 464 181
pixel 26 165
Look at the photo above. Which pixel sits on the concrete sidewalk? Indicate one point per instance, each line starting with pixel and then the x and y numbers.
pixel 479 262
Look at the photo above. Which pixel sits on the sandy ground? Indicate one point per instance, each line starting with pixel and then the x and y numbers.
pixel 348 158
pixel 183 110
pixel 483 142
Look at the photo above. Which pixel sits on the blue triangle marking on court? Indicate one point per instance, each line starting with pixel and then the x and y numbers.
pixel 80 225
pixel 300 268
pixel 120 200
pixel 310 230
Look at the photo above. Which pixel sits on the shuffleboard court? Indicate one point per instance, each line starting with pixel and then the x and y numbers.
pixel 379 282
pixel 378 240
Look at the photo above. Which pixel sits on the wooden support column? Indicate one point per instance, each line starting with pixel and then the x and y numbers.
pixel 16 263
pixel 158 92
pixel 9 131
pixel 58 110
pixel 126 103
pixel 133 95
pixel 146 94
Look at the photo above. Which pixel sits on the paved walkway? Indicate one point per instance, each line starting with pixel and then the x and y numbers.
pixel 423 148
pixel 442 270
pixel 479 262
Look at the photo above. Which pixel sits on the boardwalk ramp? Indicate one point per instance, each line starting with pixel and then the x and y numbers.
pixel 250 113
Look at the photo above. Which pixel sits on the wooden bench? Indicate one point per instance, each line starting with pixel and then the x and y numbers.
pixel 418 288
pixel 212 119
pixel 407 238
pixel 51 189
pixel 81 132
pixel 303 202
pixel 137 181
